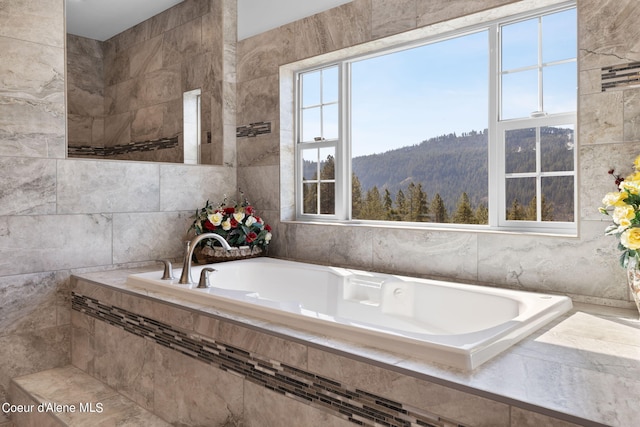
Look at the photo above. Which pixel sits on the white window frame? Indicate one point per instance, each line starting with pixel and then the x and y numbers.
pixel 496 128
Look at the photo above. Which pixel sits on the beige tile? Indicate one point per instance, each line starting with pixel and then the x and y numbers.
pixel 524 418
pixel 392 16
pixel 266 408
pixel 206 396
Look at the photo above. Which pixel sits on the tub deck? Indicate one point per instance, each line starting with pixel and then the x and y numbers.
pixel 456 324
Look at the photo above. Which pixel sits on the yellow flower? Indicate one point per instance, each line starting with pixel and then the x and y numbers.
pixel 630 185
pixel 216 218
pixel 631 238
pixel 614 199
pixel 624 213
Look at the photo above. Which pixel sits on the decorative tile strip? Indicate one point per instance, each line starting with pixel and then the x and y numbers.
pixel 152 145
pixel 355 405
pixel 620 76
pixel 253 129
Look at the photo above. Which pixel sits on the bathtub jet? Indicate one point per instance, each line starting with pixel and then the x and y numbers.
pixel 458 325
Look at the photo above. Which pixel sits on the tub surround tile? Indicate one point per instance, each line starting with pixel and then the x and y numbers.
pixel 31 128
pixel 208 397
pixel 33 303
pixel 174 370
pixel 32 351
pixel 68 385
pixel 145 57
pixel 39 21
pixel 28 186
pixel 606 34
pixel 31 71
pixel 56 247
pixel 266 409
pixel 92 186
pixel 143 236
pixel 430 12
pixel 594 182
pixel 187 187
pixel 601 117
pixel 446 254
pixel 392 16
pixel 524 263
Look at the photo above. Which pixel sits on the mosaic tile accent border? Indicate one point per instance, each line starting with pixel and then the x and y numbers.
pixel 349 403
pixel 253 129
pixel 156 144
pixel 620 76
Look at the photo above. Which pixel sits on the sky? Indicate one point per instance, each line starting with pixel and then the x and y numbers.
pixel 403 98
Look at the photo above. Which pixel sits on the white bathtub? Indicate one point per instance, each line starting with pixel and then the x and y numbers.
pixel 456 324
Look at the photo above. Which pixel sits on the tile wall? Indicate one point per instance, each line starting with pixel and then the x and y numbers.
pixel 59 215
pixel 584 267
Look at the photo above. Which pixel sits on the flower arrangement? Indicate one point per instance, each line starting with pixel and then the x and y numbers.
pixel 238 224
pixel 624 208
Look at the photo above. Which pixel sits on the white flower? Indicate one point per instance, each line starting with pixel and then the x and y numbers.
pixel 226 225
pixel 250 221
pixel 267 237
pixel 215 218
pixel 238 216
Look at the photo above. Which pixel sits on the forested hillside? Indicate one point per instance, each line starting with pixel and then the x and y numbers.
pixel 444 179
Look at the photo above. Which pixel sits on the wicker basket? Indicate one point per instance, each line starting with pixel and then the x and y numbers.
pixel 209 255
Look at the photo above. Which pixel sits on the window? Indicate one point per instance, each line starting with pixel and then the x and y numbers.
pixel 472 128
pixel 191 126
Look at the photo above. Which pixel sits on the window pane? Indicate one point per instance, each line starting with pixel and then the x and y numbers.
pixel 556 148
pixel 327 163
pixel 521 199
pixel 559 33
pixel 330 85
pixel 327 198
pixel 519 94
pixel 419 123
pixel 557 198
pixel 520 150
pixel 560 88
pixel 520 44
pixel 330 121
pixel 310 164
pixel 311 124
pixel 310 198
pixel 311 88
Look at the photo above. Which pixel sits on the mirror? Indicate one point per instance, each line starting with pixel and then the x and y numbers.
pixel 127 95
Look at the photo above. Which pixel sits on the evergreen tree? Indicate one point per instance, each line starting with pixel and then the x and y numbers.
pixel 516 212
pixel 328 189
pixel 388 205
pixel 482 214
pixel 373 207
pixel 464 213
pixel 419 210
pixel 356 196
pixel 438 210
pixel 401 206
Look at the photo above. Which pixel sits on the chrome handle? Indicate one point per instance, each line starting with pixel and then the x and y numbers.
pixel 167 274
pixel 204 277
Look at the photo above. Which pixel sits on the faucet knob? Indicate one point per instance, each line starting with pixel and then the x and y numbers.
pixel 167 274
pixel 204 277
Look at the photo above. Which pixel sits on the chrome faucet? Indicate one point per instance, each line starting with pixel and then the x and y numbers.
pixel 185 277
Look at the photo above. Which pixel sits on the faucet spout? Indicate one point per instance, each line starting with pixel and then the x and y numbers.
pixel 185 277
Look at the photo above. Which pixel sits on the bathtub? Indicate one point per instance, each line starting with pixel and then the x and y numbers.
pixel 458 325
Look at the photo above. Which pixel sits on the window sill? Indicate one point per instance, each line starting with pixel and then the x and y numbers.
pixel 447 228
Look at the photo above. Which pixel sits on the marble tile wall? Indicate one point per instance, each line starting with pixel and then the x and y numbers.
pixel 584 267
pixel 60 215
